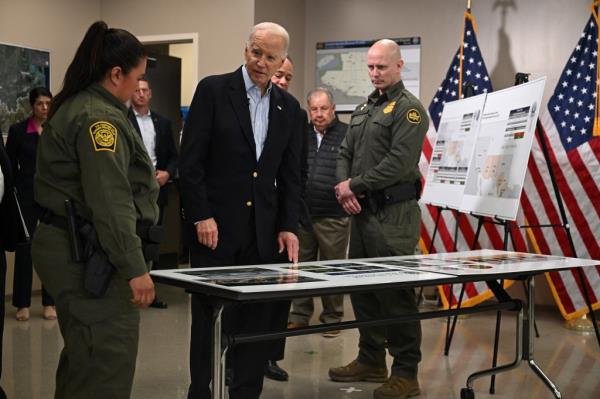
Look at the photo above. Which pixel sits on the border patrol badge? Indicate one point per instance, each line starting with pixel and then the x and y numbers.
pixel 104 136
pixel 389 107
pixel 413 116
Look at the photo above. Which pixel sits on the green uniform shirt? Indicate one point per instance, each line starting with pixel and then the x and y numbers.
pixel 384 141
pixel 90 153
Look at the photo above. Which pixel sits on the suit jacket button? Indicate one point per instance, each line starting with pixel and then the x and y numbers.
pixel 255 174
pixel 248 203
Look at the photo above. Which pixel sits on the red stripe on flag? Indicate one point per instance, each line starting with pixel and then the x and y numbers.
pixel 425 237
pixel 571 203
pixel 595 146
pixel 562 292
pixel 586 179
pixel 588 287
pixel 532 219
pixel 551 211
pixel 471 290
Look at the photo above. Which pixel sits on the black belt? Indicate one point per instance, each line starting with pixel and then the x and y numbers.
pixel 150 235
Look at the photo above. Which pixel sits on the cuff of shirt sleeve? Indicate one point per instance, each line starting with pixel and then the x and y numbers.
pixel 357 185
pixel 131 264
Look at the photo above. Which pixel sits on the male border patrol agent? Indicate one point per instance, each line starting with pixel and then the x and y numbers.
pixel 377 167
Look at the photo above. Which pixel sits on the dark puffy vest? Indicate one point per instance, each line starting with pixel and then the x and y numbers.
pixel 322 163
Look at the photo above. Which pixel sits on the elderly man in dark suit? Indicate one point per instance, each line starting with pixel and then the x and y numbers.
pixel 240 175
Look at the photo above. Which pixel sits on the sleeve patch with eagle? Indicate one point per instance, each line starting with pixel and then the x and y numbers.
pixel 413 116
pixel 104 136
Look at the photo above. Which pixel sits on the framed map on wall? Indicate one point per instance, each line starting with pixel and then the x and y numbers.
pixel 342 68
pixel 21 70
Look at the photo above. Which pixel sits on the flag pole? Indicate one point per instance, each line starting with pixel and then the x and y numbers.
pixel 462 49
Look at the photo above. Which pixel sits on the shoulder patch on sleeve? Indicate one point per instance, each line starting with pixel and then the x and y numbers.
pixel 104 136
pixel 413 116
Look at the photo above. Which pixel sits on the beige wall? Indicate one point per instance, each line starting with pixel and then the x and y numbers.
pixel 289 14
pixel 536 36
pixel 222 26
pixel 56 25
pixel 184 52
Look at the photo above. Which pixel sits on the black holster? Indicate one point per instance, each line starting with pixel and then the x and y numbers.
pixel 98 269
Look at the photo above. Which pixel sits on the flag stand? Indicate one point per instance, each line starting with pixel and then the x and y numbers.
pixel 523 78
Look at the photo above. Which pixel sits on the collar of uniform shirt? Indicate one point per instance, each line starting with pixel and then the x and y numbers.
pixel 391 92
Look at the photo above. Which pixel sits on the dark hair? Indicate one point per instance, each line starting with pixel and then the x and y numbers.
pixel 36 92
pixel 102 49
pixel 144 78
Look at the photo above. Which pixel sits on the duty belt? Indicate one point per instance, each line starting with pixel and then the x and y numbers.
pixel 150 235
pixel 376 200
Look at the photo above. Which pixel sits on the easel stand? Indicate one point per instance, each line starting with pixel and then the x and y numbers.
pixel 435 229
pixel 507 224
pixel 519 79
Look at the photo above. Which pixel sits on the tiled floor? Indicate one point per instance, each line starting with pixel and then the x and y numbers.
pixel 571 360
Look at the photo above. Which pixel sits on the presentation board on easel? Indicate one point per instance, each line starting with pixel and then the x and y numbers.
pixel 499 153
pixel 451 156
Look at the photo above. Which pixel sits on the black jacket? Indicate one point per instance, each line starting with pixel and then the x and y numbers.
pixel 8 212
pixel 21 148
pixel 165 150
pixel 220 176
pixel 322 162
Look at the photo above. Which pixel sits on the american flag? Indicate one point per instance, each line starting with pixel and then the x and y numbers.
pixel 574 151
pixel 467 68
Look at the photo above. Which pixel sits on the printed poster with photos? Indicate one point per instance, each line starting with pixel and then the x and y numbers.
pixel 417 269
pixel 499 162
pixel 452 152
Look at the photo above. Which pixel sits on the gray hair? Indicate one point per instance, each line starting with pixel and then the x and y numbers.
pixel 321 90
pixel 272 28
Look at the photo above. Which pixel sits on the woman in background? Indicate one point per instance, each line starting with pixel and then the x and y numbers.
pixel 21 147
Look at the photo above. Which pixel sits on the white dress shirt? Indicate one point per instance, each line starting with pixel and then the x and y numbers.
pixel 259 110
pixel 148 134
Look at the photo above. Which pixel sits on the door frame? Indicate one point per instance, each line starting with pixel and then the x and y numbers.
pixel 175 39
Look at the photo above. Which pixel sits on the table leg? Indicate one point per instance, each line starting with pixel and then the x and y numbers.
pixel 467 392
pixel 218 356
pixel 531 338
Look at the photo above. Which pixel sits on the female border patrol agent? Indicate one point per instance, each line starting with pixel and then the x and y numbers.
pixel 90 155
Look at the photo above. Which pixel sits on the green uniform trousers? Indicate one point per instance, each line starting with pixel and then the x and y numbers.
pixel 391 231
pixel 327 240
pixel 100 334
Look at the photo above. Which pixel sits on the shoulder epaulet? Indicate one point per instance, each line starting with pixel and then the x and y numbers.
pixel 360 107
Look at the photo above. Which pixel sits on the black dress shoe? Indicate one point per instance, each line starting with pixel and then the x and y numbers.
pixel 158 304
pixel 274 372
